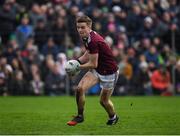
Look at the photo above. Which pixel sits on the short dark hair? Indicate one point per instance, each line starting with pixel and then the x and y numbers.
pixel 84 19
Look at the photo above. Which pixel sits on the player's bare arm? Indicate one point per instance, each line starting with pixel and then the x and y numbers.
pixel 84 58
pixel 92 63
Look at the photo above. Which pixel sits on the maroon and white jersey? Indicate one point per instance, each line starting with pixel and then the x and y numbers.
pixel 106 63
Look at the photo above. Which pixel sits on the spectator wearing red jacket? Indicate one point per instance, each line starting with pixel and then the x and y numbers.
pixel 160 80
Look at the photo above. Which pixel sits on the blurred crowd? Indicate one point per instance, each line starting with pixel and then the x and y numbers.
pixel 38 37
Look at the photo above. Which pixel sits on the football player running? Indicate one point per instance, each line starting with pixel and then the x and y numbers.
pixel 98 59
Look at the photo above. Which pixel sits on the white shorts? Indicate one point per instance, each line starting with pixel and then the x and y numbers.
pixel 107 81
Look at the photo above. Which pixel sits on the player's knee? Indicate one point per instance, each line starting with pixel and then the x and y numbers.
pixel 80 89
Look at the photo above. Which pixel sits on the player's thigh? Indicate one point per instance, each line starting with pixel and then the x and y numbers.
pixel 105 94
pixel 87 81
pixel 107 83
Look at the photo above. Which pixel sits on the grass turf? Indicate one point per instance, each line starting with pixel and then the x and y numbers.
pixel 48 115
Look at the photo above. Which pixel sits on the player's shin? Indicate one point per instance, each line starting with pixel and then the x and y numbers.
pixel 110 107
pixel 80 100
pixel 106 102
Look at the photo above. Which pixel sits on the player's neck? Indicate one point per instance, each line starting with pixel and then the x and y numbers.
pixel 88 35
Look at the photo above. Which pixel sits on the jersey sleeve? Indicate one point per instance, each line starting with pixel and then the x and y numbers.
pixel 93 47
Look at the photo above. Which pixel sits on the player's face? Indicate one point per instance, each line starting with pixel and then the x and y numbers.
pixel 83 29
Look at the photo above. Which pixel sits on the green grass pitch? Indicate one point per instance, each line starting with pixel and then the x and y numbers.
pixel 48 115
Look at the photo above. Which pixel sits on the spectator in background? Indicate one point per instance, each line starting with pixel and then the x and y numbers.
pixel 98 24
pixel 19 84
pixel 157 42
pixel 170 27
pixel 126 72
pixel 135 17
pixel 71 25
pixel 131 54
pixel 50 48
pixel 54 83
pixel 30 54
pixel 3 85
pixel 61 62
pixel 10 53
pixel 111 27
pixel 120 16
pixel 144 45
pixel 126 68
pixel 41 33
pixel 37 86
pixel 147 30
pixel 103 6
pixel 15 7
pixel 50 14
pixel 24 31
pixel 143 82
pixel 5 67
pixel 166 53
pixel 152 57
pixel 7 71
pixel 59 33
pixel 161 81
pixel 122 39
pixel 36 83
pixel 86 6
pixel 7 21
pixel 13 42
pixel 35 14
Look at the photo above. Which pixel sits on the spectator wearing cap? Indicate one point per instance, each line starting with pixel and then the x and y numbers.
pixel 120 16
pixel 147 30
pixel 13 42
